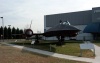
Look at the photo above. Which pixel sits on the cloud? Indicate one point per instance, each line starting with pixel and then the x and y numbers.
pixel 19 13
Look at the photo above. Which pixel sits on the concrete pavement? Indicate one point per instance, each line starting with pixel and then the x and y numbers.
pixel 97 53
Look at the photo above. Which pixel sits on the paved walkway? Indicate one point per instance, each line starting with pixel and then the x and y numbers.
pixel 97 52
pixel 96 60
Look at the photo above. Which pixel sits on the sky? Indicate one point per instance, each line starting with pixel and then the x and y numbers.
pixel 20 13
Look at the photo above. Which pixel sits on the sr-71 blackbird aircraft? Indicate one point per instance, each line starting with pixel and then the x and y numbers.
pixel 62 30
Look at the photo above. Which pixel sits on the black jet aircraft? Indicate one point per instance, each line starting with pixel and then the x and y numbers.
pixel 28 33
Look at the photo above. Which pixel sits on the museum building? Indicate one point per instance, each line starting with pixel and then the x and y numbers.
pixel 79 19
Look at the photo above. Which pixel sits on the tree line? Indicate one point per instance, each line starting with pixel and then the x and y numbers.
pixel 11 33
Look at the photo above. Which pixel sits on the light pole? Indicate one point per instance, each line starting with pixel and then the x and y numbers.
pixel 3 27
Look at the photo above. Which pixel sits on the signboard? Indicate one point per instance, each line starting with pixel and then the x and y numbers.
pixel 87 46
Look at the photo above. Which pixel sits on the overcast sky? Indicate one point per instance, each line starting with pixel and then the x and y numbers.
pixel 19 13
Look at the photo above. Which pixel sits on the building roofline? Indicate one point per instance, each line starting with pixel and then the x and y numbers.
pixel 68 12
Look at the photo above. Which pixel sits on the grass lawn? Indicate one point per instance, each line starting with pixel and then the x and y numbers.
pixel 97 42
pixel 14 55
pixel 70 48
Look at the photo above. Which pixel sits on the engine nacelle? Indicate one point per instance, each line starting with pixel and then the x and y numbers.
pixel 28 32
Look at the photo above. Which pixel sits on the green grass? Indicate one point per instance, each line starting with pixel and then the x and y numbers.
pixel 97 42
pixel 69 48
